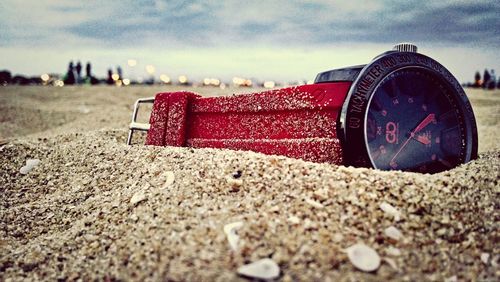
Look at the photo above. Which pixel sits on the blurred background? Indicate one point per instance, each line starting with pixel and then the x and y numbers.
pixel 236 43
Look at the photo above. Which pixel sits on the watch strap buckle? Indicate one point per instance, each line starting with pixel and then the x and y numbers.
pixel 137 126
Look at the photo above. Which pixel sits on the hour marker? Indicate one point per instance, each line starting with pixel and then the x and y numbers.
pixel 424 107
pixel 382 149
pixel 437 140
pixel 433 157
pixel 410 100
pixel 395 101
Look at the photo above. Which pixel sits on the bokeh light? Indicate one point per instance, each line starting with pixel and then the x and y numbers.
pixel 132 62
pixel 150 69
pixel 183 79
pixel 269 84
pixel 165 78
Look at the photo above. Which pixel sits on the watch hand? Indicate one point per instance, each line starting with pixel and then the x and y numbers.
pixel 428 119
pixel 400 149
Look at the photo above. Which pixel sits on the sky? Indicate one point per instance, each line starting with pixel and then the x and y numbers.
pixel 267 40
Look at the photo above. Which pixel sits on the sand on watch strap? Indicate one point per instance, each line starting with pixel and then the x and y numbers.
pixel 298 122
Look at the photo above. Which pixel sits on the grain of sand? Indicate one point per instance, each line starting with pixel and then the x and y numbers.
pixel 71 217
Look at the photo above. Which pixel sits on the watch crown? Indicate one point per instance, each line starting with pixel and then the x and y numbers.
pixel 405 47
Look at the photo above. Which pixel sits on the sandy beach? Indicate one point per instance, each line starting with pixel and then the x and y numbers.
pixel 97 209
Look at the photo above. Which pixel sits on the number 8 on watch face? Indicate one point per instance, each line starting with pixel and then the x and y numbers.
pixel 414 123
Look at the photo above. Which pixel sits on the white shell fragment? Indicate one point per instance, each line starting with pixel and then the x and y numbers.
pixel 232 237
pixel 315 204
pixel 393 251
pixel 261 269
pixel 321 194
pixel 84 109
pixel 169 179
pixel 234 183
pixel 363 257
pixel 138 197
pixel 451 279
pixel 393 233
pixel 30 164
pixel 485 257
pixel 293 219
pixel 392 263
pixel 390 210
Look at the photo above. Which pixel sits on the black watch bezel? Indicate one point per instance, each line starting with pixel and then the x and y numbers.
pixel 352 119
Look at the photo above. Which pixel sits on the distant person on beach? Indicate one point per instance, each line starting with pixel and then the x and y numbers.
pixel 119 72
pixel 69 79
pixel 78 69
pixel 477 80
pixel 493 80
pixel 88 70
pixel 109 80
pixel 89 79
pixel 486 79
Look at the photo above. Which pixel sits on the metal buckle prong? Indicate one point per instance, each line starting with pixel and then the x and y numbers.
pixel 136 125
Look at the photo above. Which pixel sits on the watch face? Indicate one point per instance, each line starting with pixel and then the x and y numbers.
pixel 405 111
pixel 413 122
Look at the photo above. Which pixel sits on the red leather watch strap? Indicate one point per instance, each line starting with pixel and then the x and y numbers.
pixel 298 122
pixel 168 119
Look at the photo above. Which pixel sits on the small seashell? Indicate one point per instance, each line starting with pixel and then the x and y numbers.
pixel 262 269
pixel 392 263
pixel 321 194
pixel 441 231
pixel 83 109
pixel 134 217
pixel 115 203
pixel 393 233
pixel 363 257
pixel 232 236
pixel 25 170
pixel 309 224
pixel 274 209
pixel 338 237
pixel 451 279
pixel 234 183
pixel 485 257
pixel 494 260
pixel 389 209
pixel 445 219
pixel 170 179
pixel 293 219
pixel 138 197
pixel 315 204
pixel 393 251
pixel 30 164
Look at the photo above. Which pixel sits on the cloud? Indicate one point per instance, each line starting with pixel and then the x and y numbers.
pixel 174 24
pixel 285 38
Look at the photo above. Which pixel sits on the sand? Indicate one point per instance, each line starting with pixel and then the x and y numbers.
pixel 94 208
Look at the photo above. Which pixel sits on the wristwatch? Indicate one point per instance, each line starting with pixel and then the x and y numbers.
pixel 402 111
